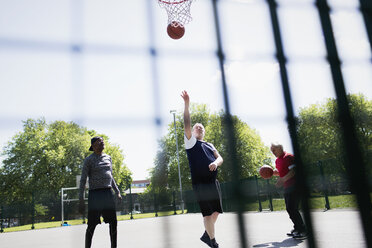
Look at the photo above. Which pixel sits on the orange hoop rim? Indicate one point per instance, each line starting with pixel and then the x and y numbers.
pixel 173 2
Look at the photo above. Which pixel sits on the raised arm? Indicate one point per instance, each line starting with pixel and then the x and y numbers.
pixel 186 114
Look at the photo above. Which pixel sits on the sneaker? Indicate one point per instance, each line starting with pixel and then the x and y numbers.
pixel 291 233
pixel 299 235
pixel 214 244
pixel 205 238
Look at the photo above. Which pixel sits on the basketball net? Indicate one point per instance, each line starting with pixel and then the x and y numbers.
pixel 178 11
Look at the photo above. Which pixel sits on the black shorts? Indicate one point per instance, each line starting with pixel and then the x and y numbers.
pixel 101 203
pixel 208 197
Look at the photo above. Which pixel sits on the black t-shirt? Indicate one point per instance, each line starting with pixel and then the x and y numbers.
pixel 200 156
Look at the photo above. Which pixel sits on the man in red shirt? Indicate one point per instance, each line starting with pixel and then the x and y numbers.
pixel 285 169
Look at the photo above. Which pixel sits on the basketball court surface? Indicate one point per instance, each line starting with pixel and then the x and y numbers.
pixel 334 228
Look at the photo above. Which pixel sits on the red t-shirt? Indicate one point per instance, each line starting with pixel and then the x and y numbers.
pixel 283 164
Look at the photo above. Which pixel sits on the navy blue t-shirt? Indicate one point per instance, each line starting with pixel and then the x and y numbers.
pixel 200 156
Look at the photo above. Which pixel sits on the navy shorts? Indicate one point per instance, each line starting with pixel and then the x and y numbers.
pixel 208 197
pixel 101 202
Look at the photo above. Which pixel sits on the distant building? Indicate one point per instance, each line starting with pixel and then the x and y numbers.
pixel 137 187
pixel 140 183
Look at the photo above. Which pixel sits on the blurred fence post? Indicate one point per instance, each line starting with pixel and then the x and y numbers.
pixel 291 120
pixel 33 211
pixel 130 202
pixel 155 206
pixel 258 194
pixel 174 203
pixel 355 166
pixel 228 123
pixel 324 185
pixel 269 195
pixel 1 219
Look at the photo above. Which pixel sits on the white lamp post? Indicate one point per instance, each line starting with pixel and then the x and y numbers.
pixel 178 157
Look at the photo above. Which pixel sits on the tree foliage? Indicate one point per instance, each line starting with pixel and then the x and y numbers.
pixel 319 130
pixel 250 149
pixel 43 158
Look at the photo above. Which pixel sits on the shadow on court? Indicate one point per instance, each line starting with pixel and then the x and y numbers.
pixel 289 242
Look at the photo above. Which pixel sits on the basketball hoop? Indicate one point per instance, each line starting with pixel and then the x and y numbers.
pixel 178 11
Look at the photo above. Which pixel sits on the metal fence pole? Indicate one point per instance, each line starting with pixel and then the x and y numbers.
pixel 300 172
pixel 269 194
pixel 352 153
pixel 324 185
pixel 155 206
pixel 258 194
pixel 62 214
pixel 1 219
pixel 174 202
pixel 33 211
pixel 130 202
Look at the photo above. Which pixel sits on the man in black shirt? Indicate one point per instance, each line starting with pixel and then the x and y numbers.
pixel 204 161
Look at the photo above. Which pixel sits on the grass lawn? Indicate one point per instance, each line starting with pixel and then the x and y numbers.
pixel 342 201
pixel 148 215
pixel 80 221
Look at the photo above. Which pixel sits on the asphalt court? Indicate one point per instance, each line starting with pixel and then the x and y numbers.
pixel 333 228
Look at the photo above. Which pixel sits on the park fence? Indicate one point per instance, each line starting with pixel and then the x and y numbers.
pixel 325 178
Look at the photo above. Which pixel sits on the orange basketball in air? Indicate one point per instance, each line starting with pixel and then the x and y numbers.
pixel 266 171
pixel 175 30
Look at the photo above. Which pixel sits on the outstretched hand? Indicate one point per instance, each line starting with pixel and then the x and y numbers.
pixel 185 97
pixel 119 196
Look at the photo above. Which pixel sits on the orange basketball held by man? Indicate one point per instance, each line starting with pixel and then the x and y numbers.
pixel 266 171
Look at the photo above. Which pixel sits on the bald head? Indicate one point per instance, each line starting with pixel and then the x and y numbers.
pixel 198 131
pixel 277 149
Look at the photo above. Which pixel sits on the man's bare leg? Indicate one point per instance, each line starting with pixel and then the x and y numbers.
pixel 209 222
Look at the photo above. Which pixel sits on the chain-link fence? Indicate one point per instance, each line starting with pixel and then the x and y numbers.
pixel 77 53
pixel 326 178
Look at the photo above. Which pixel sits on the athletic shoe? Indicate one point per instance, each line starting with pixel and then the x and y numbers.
pixel 214 244
pixel 300 235
pixel 205 238
pixel 291 233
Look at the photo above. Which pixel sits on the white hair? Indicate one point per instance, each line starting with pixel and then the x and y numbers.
pixel 198 124
pixel 277 144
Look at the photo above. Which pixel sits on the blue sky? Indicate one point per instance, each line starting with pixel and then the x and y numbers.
pixel 109 85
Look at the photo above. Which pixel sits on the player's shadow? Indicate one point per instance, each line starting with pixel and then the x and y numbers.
pixel 290 242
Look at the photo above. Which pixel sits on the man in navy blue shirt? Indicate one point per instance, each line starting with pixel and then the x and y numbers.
pixel 204 161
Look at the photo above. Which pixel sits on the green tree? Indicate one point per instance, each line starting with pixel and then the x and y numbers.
pixel 159 173
pixel 320 136
pixel 250 149
pixel 43 158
